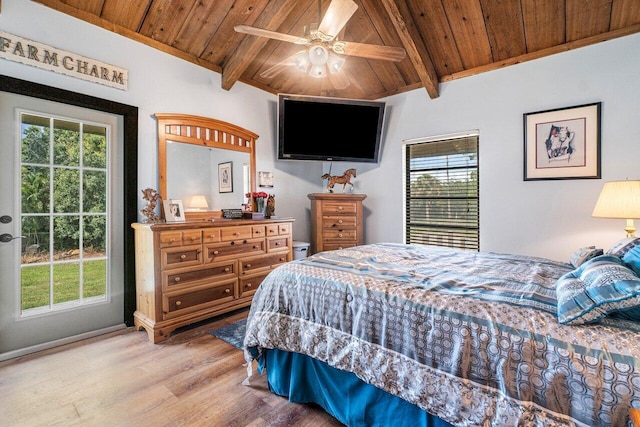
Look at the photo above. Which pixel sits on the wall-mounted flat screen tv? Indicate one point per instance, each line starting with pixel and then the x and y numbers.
pixel 329 129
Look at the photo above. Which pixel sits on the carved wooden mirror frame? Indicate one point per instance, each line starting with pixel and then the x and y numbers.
pixel 204 132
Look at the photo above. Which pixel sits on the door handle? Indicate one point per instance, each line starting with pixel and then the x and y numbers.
pixel 6 237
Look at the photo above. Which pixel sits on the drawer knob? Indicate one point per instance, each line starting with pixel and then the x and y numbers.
pixel 211 236
pixel 339 234
pixel 193 237
pixel 282 259
pixel 258 231
pixel 183 257
pixel 340 208
pixel 177 279
pixel 339 221
pixel 227 291
pixel 178 303
pixel 255 246
pixel 247 265
pixel 236 234
pixel 171 240
pixel 226 270
pixel 215 252
pixel 277 243
pixel 248 285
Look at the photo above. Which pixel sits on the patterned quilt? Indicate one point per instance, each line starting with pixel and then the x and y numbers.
pixel 471 337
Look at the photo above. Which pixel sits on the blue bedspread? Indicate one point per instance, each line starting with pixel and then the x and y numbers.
pixel 471 337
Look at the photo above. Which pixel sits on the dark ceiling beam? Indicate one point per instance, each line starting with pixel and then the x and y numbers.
pixel 273 16
pixel 400 16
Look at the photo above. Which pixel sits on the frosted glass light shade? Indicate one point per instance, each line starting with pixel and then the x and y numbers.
pixel 619 199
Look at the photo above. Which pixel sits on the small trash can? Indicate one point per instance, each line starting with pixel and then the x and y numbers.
pixel 300 250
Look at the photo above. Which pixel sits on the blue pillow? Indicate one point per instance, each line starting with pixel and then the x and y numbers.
pixel 622 246
pixel 600 287
pixel 632 259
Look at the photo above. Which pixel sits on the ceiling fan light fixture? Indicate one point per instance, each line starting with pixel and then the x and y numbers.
pixel 301 61
pixel 318 71
pixel 318 55
pixel 335 63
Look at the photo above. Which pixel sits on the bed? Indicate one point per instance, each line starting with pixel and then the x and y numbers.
pixel 394 334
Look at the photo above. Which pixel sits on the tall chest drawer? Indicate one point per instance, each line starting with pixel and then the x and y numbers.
pixel 339 208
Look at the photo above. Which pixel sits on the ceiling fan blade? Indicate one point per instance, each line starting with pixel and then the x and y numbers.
pixel 246 29
pixel 336 17
pixel 339 80
pixel 276 69
pixel 371 51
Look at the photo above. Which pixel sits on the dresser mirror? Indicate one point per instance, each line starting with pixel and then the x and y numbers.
pixel 199 156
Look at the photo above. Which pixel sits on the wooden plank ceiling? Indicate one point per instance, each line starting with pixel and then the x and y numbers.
pixel 444 39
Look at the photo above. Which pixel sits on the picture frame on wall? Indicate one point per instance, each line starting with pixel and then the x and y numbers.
pixel 173 210
pixel 265 179
pixel 562 143
pixel 225 177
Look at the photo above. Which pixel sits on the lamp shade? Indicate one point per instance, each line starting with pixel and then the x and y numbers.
pixel 619 199
pixel 199 202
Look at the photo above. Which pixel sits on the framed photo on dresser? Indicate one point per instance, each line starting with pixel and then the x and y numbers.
pixel 173 210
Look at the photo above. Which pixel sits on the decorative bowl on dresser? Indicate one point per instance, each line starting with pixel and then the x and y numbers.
pixel 336 221
pixel 188 272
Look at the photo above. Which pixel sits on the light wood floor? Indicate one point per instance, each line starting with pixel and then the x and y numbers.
pixel 122 379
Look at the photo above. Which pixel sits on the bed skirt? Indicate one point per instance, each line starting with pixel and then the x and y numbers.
pixel 342 394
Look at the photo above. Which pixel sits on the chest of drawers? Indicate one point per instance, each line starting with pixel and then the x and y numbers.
pixel 188 272
pixel 336 221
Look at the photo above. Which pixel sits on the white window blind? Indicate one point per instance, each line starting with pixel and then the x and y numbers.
pixel 441 186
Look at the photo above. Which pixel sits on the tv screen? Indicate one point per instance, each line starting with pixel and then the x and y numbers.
pixel 328 129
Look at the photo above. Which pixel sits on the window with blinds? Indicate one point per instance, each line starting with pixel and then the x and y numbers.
pixel 441 188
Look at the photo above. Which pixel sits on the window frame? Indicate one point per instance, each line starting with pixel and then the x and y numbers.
pixel 405 172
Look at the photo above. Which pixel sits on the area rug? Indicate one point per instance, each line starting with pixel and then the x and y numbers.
pixel 232 334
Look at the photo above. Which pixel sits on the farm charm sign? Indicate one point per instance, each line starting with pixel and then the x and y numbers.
pixel 25 51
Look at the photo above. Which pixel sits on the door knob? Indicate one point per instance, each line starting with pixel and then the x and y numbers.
pixel 5 219
pixel 6 237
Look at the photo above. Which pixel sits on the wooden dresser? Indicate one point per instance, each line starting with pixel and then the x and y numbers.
pixel 188 272
pixel 336 221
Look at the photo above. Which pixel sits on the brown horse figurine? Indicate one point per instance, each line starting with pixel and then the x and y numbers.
pixel 344 179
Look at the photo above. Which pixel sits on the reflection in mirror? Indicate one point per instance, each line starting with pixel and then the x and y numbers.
pixel 192 170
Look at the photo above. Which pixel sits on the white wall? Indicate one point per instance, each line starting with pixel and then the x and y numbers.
pixel 545 218
pixel 542 218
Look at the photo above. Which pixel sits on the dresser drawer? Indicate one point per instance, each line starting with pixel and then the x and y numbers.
pixel 189 276
pixel 339 234
pixel 211 235
pixel 249 265
pixel 331 246
pixel 234 248
pixel 339 207
pixel 284 229
pixel 272 230
pixel 235 233
pixel 277 244
pixel 346 221
pixel 182 256
pixel 176 304
pixel 258 231
pixel 249 285
pixel 178 238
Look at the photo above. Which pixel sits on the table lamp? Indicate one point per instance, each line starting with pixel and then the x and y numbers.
pixel 619 199
pixel 199 202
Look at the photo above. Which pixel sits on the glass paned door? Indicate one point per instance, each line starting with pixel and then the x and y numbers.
pixel 61 206
pixel 64 213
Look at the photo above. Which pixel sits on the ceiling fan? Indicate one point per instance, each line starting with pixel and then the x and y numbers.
pixel 323 48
